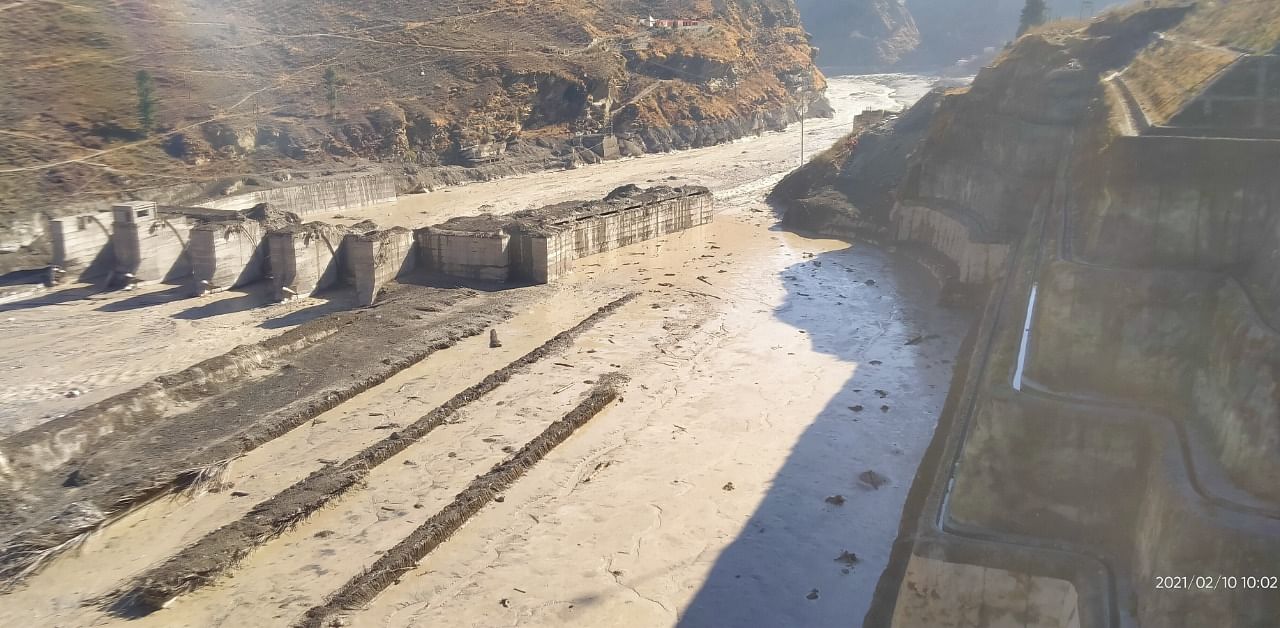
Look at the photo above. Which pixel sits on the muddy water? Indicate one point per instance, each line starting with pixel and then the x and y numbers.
pixel 702 498
pixel 770 372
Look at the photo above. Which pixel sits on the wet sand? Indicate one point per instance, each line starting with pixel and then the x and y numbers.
pixel 729 487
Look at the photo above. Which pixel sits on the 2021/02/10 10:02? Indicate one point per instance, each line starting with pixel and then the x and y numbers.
pixel 1210 583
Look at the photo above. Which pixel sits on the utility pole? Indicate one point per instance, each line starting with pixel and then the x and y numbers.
pixel 802 138
pixel 1086 9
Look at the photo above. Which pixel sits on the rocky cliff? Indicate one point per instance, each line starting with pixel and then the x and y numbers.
pixel 892 35
pixel 1117 418
pixel 250 93
pixel 856 36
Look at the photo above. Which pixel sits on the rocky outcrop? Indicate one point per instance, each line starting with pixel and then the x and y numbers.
pixel 860 35
pixel 952 31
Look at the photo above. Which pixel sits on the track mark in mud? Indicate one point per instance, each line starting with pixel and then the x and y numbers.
pixel 220 551
pixel 436 530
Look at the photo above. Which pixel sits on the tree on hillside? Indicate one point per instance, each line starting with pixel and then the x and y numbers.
pixel 331 89
pixel 1035 13
pixel 146 101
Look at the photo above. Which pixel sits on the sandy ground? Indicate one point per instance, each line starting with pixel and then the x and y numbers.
pixel 783 391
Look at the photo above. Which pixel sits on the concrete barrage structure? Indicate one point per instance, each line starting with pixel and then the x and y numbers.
pixel 376 257
pixel 540 245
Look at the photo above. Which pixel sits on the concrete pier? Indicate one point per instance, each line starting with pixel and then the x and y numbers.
pixel 304 259
pixel 540 245
pixel 228 254
pixel 377 257
pixel 150 246
pixel 82 245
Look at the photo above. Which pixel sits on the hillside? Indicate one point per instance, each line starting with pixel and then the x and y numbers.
pixel 884 35
pixel 1106 189
pixel 241 96
pixel 860 35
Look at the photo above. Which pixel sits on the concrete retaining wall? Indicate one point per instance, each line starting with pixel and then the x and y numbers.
pixel 304 260
pixel 81 245
pixel 1121 484
pixel 1190 344
pixel 544 253
pixel 317 197
pixel 376 258
pixel 597 234
pixel 543 258
pixel 150 246
pixel 228 254
pixel 1173 202
pixel 481 255
pixel 1235 392
pixel 976 261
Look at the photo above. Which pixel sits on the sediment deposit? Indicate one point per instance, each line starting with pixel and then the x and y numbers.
pixel 1115 417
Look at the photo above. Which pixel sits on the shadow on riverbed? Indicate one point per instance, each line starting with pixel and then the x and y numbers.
pixel 811 553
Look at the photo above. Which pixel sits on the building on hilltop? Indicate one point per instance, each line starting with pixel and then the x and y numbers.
pixel 677 23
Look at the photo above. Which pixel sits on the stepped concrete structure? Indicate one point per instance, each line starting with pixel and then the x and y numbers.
pixel 540 245
pixel 1118 419
pixel 214 249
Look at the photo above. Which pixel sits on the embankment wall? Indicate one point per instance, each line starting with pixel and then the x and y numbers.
pixel 1176 202
pixel 316 197
pixel 1190 344
pixel 978 257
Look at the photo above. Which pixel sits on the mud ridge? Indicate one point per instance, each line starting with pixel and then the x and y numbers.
pixel 57 441
pixel 221 550
pixel 31 548
pixel 436 530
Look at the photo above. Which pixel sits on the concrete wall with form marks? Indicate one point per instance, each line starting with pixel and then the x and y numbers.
pixel 482 255
pixel 541 245
pixel 228 254
pixel 375 258
pixel 551 254
pixel 149 245
pixel 325 196
pixel 81 245
pixel 976 261
pixel 304 260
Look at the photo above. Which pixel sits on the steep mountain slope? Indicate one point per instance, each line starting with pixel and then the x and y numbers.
pixel 860 35
pixel 241 90
pixel 880 35
pixel 951 30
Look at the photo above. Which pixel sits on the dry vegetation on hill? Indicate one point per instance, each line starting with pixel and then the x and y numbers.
pixel 240 83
